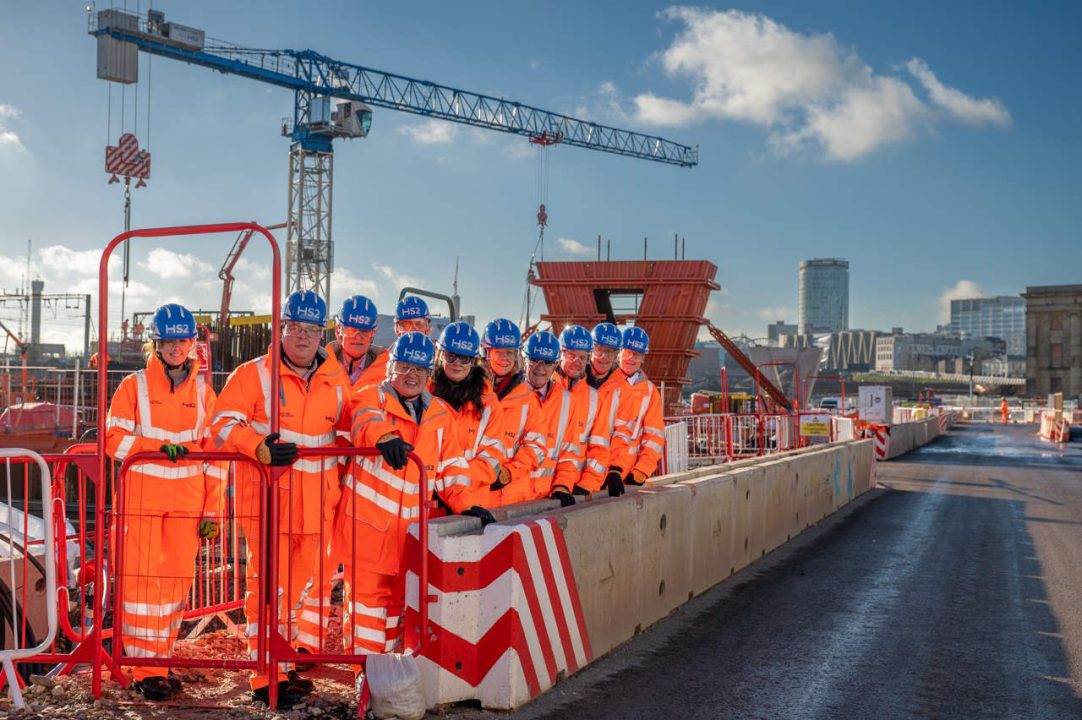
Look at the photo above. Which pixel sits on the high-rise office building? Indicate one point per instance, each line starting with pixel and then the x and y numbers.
pixel 1003 317
pixel 824 296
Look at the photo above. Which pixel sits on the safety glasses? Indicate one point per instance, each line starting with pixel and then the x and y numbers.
pixel 407 369
pixel 453 359
pixel 302 330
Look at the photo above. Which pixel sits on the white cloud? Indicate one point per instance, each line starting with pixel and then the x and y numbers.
pixel 962 290
pixel 773 314
pixel 574 247
pixel 963 107
pixel 431 132
pixel 807 90
pixel 62 260
pixel 8 137
pixel 168 265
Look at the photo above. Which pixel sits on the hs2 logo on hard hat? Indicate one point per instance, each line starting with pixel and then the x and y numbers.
pixel 176 329
pixel 462 344
pixel 308 312
pixel 510 339
pixel 411 354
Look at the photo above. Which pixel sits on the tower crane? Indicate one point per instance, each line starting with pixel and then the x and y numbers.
pixel 334 99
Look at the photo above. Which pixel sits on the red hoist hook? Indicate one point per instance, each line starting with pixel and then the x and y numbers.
pixel 542 216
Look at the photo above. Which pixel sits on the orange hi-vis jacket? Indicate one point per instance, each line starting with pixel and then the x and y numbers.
pixel 375 373
pixel 591 431
pixel 524 441
pixel 310 413
pixel 379 502
pixel 639 440
pixel 564 455
pixel 480 435
pixel 147 412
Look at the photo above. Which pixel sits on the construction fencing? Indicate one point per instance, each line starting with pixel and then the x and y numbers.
pixel 110 603
pixel 714 438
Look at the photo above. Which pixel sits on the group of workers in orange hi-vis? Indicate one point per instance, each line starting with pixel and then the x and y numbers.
pixel 494 421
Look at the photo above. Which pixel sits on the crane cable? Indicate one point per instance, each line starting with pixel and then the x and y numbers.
pixel 530 293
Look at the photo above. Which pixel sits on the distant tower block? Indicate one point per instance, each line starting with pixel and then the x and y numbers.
pixel 666 298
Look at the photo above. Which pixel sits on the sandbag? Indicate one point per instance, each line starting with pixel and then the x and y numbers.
pixel 395 683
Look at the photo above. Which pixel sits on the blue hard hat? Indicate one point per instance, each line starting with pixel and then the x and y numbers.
pixel 461 339
pixel 172 322
pixel 358 312
pixel 576 337
pixel 607 334
pixel 305 306
pixel 543 345
pixel 502 333
pixel 635 338
pixel 414 348
pixel 411 307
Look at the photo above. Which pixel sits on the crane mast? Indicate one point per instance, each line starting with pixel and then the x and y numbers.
pixel 333 99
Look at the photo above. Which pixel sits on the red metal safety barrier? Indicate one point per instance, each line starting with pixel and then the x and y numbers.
pixel 273 521
pixel 745 436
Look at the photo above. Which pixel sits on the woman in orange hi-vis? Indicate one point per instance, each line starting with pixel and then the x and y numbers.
pixel 556 476
pixel 168 504
pixel 381 495
pixel 314 403
pixel 461 382
pixel 523 423
pixel 638 443
pixel 590 422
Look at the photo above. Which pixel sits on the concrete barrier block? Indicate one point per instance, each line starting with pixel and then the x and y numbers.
pixel 710 547
pixel 779 478
pixel 665 532
pixel 862 454
pixel 607 559
pixel 747 518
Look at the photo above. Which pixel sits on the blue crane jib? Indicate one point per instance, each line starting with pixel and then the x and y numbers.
pixel 315 79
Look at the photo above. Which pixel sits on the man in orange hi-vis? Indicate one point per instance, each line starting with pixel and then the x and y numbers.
pixel 410 315
pixel 168 504
pixel 638 443
pixel 591 422
pixel 523 423
pixel 557 474
pixel 601 374
pixel 354 329
pixel 314 403
pixel 382 494
pixel 1004 411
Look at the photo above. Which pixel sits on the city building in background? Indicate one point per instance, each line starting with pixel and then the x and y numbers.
pixel 823 296
pixel 1002 316
pixel 776 331
pixel 1054 340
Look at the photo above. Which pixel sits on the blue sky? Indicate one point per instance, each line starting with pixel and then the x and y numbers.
pixel 936 146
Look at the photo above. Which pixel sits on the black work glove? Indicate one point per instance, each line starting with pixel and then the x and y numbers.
pixel 566 499
pixel 579 490
pixel 481 513
pixel 394 452
pixel 613 483
pixel 277 453
pixel 629 479
pixel 174 452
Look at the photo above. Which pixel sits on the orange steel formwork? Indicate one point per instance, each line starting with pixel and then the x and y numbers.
pixel 666 298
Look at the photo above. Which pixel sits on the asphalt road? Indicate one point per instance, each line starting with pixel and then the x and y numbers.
pixel 954 591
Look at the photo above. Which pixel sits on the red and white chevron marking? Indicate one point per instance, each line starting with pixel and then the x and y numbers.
pixel 507 621
pixel 880 434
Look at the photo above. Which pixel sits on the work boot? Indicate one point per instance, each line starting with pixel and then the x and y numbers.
pixel 296 680
pixel 303 666
pixel 157 688
pixel 288 695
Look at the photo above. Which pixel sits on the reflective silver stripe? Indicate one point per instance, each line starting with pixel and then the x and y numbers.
pixel 521 428
pixel 139 608
pixel 637 431
pixel 124 448
pixel 261 428
pixel 201 404
pixel 134 651
pixel 142 396
pixel 494 443
pixel 315 465
pixel 649 430
pixel 179 436
pixel 449 481
pixel 613 405
pixel 362 609
pixel 595 466
pixel 168 472
pixel 239 416
pixel 306 638
pixel 653 445
pixel 363 633
pixel 486 415
pixel 216 472
pixel 591 415
pixel 312 441
pixel 265 384
pixel 382 501
pixel 543 472
pixel 599 440
pixel 561 429
pixel 151 634
pixel 338 394
pixel 374 466
pixel 121 423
